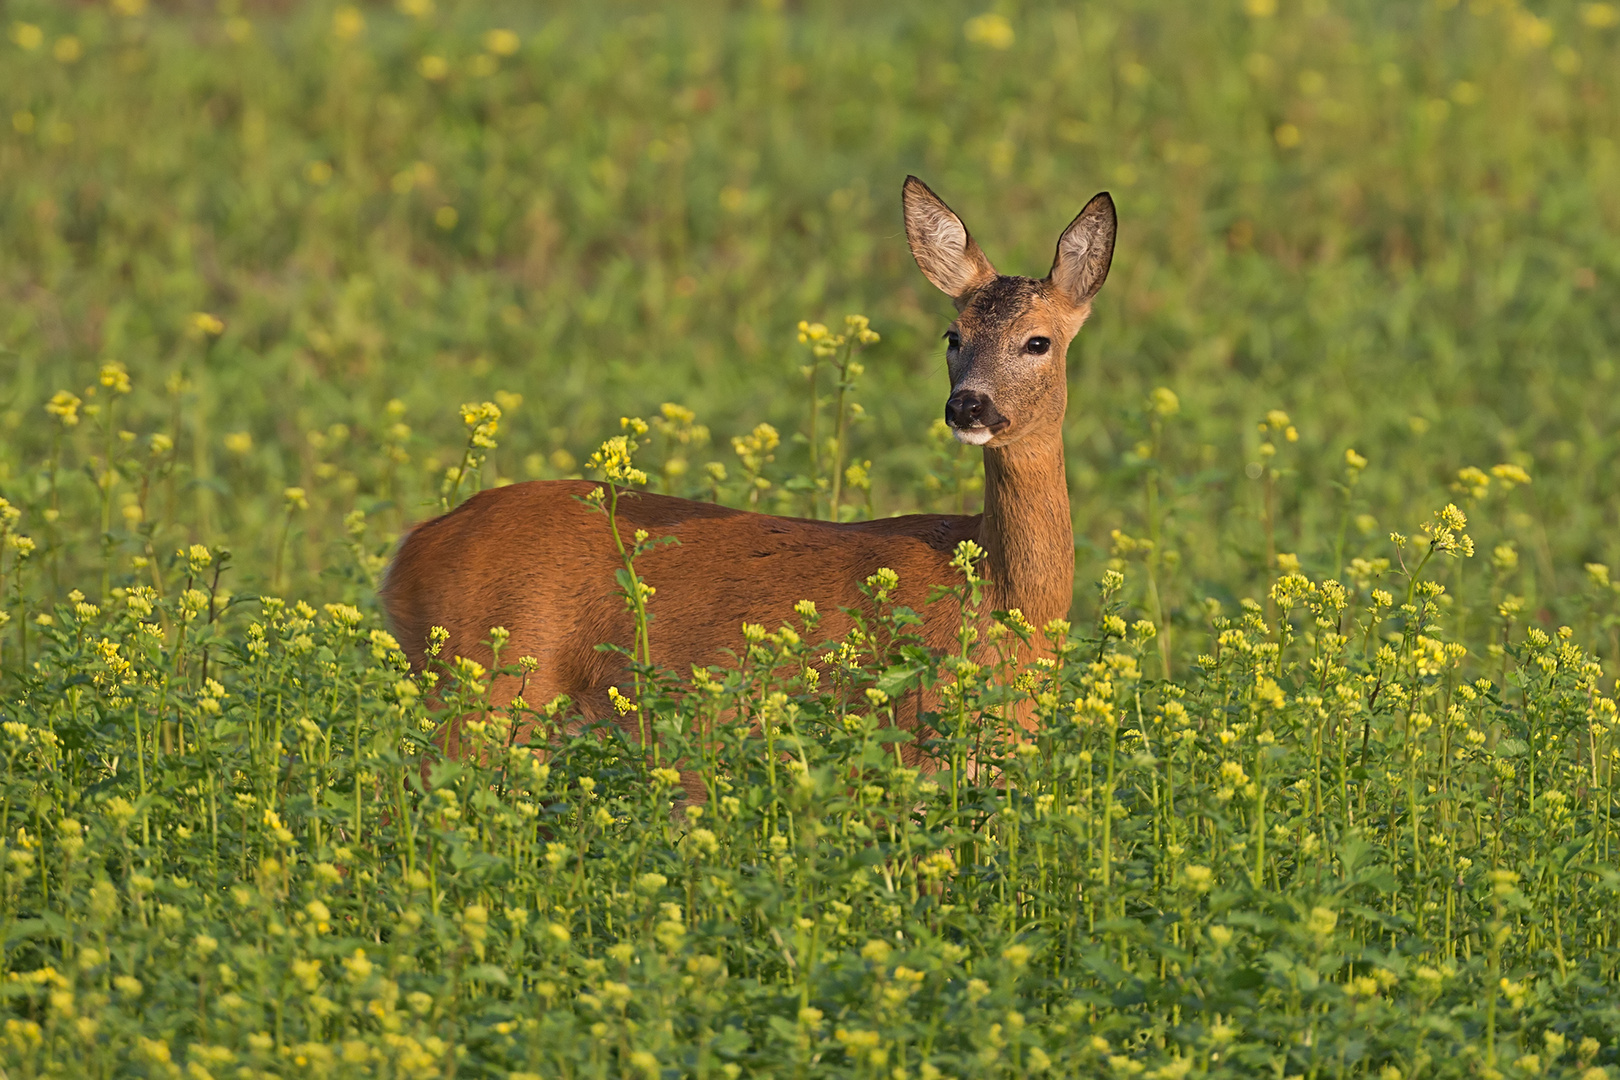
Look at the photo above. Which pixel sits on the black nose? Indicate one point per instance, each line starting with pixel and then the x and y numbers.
pixel 969 409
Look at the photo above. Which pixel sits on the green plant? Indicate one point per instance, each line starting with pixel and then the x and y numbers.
pixel 1295 801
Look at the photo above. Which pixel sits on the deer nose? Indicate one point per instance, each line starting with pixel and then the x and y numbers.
pixel 970 409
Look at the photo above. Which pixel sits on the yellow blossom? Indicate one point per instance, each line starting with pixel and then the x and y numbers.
pixel 65 407
pixel 1510 475
pixel 501 42
pixel 27 36
pixel 114 376
pixel 348 23
pixel 990 30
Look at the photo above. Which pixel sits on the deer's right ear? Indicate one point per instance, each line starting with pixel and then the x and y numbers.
pixel 940 243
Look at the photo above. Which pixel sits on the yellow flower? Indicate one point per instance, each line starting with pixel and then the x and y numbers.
pixel 27 36
pixel 613 459
pixel 859 327
pixel 473 414
pixel 501 42
pixel 348 23
pixel 67 49
pixel 755 447
pixel 115 377
pixel 433 68
pixel 65 407
pixel 990 30
pixel 129 8
pixel 1529 31
pixel 239 442
pixel 1472 482
pixel 508 401
pixel 207 325
pixel 1510 475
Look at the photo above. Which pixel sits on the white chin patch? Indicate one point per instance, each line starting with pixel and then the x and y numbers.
pixel 972 436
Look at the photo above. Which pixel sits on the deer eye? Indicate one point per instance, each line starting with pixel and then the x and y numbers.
pixel 1038 346
pixel 952 340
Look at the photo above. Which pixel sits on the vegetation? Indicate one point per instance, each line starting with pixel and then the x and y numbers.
pixel 1323 781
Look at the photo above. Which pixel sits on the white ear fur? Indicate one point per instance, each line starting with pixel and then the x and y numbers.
pixel 940 243
pixel 1085 251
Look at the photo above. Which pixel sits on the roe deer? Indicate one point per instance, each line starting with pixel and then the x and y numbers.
pixel 536 560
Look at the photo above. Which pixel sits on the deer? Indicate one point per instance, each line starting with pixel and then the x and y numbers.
pixel 539 561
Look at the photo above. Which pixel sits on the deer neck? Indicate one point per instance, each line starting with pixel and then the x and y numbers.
pixel 1027 533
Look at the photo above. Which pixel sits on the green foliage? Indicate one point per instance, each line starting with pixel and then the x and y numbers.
pixel 1308 797
pixel 230 843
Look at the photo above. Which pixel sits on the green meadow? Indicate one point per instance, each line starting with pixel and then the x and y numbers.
pixel 1324 777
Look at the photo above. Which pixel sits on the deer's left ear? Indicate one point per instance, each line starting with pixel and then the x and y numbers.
pixel 1084 252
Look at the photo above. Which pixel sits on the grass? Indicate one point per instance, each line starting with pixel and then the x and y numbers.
pixel 1306 799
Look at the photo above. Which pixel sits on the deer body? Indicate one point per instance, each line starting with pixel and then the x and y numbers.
pixel 535 559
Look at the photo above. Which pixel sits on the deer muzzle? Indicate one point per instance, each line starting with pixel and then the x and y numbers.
pixel 973 417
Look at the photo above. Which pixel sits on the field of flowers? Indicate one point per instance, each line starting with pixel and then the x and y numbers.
pixel 1324 777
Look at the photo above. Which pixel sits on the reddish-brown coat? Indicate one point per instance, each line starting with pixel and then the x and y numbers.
pixel 535 559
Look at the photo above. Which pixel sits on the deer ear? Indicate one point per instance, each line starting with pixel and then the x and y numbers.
pixel 940 243
pixel 1084 252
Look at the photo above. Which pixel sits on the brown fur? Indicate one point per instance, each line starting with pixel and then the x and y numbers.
pixel 534 559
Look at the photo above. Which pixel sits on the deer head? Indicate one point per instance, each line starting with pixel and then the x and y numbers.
pixel 1006 350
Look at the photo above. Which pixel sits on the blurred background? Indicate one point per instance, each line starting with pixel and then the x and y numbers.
pixel 310 231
